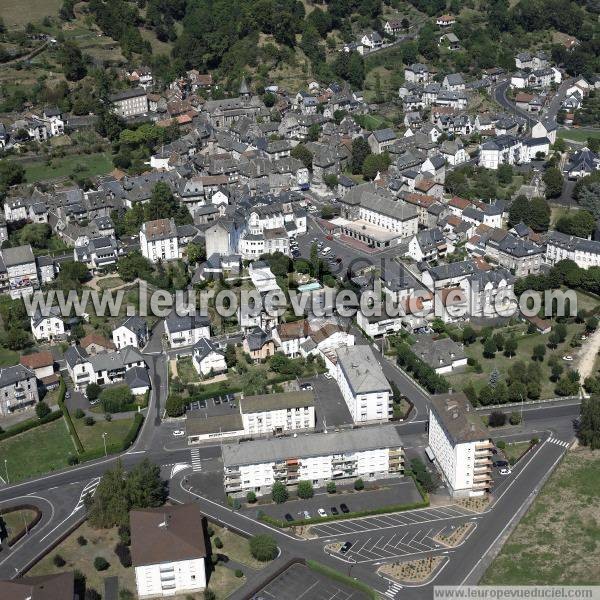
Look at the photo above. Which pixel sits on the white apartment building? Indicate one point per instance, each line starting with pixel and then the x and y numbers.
pixel 207 358
pixel 461 445
pixel 363 384
pixel 186 330
pixel 368 453
pixel 133 331
pixel 560 246
pixel 21 270
pixel 159 240
pixel 168 550
pixel 501 150
pixel 277 413
pixel 130 103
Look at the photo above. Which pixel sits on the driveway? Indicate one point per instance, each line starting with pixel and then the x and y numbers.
pixel 330 407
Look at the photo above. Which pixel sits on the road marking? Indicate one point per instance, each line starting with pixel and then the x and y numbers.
pixel 196 462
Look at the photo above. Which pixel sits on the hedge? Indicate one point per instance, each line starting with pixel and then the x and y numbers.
pixel 353 515
pixel 65 411
pixel 337 576
pixel 116 447
pixel 38 515
pixel 24 426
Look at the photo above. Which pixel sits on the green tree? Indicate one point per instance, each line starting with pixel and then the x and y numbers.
pixel 303 154
pixel 539 352
pixel 263 547
pixel 196 253
pixel 360 151
pixel 134 265
pixel 42 410
pixel 539 214
pixel 505 174
pixel 279 492
pixel 331 487
pixel 314 131
pixel 589 423
pixel 375 163
pixel 554 180
pixel 510 346
pixel 330 181
pixel 145 488
pixel 305 490
pixel 468 335
pixel 581 224
pixel 489 348
pixel 519 210
pixel 359 484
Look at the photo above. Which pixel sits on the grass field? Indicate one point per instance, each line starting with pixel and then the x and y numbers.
pixel 44 448
pixel 17 13
pixel 234 546
pixel 91 436
pixel 578 135
pixel 16 520
pixel 558 540
pixel 110 283
pixel 515 450
pixel 81 165
pixel 8 358
pixel 526 344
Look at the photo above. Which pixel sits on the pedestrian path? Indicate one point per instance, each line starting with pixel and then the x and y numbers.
pixel 558 442
pixel 196 462
pixel 393 589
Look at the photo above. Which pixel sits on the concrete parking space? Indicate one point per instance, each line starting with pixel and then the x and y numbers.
pixel 396 491
pixel 330 407
pixel 299 582
pixel 390 521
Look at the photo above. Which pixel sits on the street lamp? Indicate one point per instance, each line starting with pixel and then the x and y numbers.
pixel 104 440
pixel 6 469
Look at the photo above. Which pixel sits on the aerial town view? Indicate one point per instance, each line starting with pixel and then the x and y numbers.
pixel 299 299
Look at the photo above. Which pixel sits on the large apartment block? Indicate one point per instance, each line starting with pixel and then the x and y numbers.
pixel 461 445
pixel 370 453
pixel 363 384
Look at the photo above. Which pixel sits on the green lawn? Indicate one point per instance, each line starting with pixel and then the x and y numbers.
pixel 21 12
pixel 526 343
pixel 234 546
pixel 558 540
pixel 15 521
pixel 81 165
pixel 110 283
pixel 186 371
pixel 578 135
pixel 515 450
pixel 91 436
pixel 8 358
pixel 37 451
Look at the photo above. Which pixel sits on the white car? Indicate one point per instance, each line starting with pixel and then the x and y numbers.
pixel 567 357
pixel 505 471
pixel 322 512
pixel 178 433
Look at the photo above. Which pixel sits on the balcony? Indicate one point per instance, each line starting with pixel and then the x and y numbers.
pixel 483 446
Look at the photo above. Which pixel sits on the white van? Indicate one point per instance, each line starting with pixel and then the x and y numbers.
pixel 326 250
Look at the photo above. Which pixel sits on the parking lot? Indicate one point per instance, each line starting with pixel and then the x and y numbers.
pixel 330 407
pixel 218 405
pixel 401 519
pixel 299 582
pixel 394 544
pixel 397 491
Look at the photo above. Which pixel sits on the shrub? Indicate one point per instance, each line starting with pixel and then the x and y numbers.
pixel 263 547
pixel 359 484
pixel 331 487
pixel 214 559
pixel 218 543
pixel 501 444
pixel 59 561
pixel 92 391
pixel 123 554
pixel 251 497
pixel 279 492
pixel 125 534
pixel 305 490
pixel 92 594
pixel 497 419
pixel 515 418
pixel 89 421
pixel 101 564
pixel 72 460
pixel 108 417
pixel 239 573
pixel 81 541
pixel 79 414
pixel 126 595
pixel 209 595
pixel 42 410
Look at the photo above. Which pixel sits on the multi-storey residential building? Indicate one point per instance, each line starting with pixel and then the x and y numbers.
pixel 461 445
pixel 133 331
pixel 207 358
pixel 18 389
pixel 99 253
pixel 368 453
pixel 130 103
pixel 559 246
pixel 186 330
pixel 521 256
pixel 168 550
pixel 278 413
pixel 21 270
pixel 159 240
pixel 501 150
pixel 47 328
pixel 363 384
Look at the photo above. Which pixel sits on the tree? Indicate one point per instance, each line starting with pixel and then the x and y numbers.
pixel 468 335
pixel 71 59
pixel 497 419
pixel 588 197
pixel 101 564
pixel 360 151
pixel 504 173
pixel 554 180
pixel 374 164
pixel 591 324
pixel 499 341
pixel 42 410
pixel 331 487
pixel 134 265
pixel 556 371
pixel 539 352
pixel 359 484
pixel 314 131
pixel 589 423
pixel 116 399
pixel 251 497
pixel 11 173
pixel 145 488
pixel 263 547
pixel 519 210
pixel 303 154
pixel 279 492
pixel 539 214
pixel 515 417
pixel 93 391
pixel 489 348
pixel 510 346
pixel 581 224
pixel 305 490
pixel 196 253
pixel 58 561
pixel 330 181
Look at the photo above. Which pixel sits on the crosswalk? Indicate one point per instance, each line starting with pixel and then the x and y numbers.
pixel 558 442
pixel 196 462
pixel 393 589
pixel 88 490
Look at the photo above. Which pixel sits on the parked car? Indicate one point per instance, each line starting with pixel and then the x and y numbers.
pixel 344 508
pixel 306 514
pixel 505 471
pixel 334 511
pixel 322 512
pixel 67 395
pixel 306 387
pixel 345 547
pixel 178 433
pixel 288 518
pixel 568 357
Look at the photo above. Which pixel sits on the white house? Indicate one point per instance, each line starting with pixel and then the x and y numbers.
pixel 504 149
pixel 168 550
pixel 277 413
pixel 207 358
pixel 544 129
pixel 186 330
pixel 133 331
pixel 367 453
pixel 159 240
pixel 461 445
pixel 586 253
pixel 363 384
pixel 47 328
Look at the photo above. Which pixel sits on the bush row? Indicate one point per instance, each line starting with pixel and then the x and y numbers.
pixel 65 411
pixel 29 424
